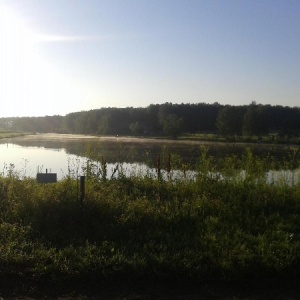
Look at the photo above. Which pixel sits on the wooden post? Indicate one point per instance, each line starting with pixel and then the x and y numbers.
pixel 82 189
pixel 158 168
pixel 169 166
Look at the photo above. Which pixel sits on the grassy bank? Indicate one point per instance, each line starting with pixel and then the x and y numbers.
pixel 7 134
pixel 220 229
pixel 273 139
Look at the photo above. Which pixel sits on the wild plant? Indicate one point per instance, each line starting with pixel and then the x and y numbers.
pixel 95 170
pixel 206 171
pixel 10 170
pixel 230 167
pixel 294 158
pixel 250 165
pixel 73 168
pixel 213 227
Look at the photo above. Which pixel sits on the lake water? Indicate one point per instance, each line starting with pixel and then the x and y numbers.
pixel 27 157
pixel 28 160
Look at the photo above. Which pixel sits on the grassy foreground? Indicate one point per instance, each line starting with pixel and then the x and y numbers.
pixel 210 229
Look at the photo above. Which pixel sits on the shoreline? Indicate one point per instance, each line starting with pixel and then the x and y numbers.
pixel 126 139
pixel 130 139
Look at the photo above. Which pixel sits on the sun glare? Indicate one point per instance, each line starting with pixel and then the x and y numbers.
pixel 29 85
pixel 14 56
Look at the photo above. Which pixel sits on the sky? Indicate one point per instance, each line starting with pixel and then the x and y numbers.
pixel 63 56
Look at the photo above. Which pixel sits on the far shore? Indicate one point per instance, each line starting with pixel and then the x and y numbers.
pixel 127 139
pixel 78 137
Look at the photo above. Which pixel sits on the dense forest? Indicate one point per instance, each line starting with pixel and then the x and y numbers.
pixel 168 120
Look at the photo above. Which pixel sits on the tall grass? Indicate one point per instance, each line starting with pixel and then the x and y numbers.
pixel 226 223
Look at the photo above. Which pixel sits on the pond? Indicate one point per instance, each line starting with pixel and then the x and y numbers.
pixel 66 154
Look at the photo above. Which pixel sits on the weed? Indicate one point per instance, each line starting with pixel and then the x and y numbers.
pixel 226 223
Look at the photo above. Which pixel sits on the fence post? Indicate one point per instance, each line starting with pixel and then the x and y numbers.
pixel 82 189
pixel 158 168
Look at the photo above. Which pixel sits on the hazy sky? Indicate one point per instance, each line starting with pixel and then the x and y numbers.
pixel 61 56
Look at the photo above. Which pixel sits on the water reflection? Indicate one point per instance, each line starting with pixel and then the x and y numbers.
pixel 120 150
pixel 68 156
pixel 27 161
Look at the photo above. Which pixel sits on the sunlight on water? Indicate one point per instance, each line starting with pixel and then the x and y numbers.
pixel 27 161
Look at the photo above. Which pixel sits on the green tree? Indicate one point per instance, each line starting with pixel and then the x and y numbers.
pixel 172 125
pixel 135 128
pixel 255 121
pixel 103 124
pixel 230 120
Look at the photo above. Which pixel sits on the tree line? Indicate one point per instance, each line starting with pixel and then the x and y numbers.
pixel 168 120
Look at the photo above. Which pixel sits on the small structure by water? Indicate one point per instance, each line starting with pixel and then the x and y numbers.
pixel 46 177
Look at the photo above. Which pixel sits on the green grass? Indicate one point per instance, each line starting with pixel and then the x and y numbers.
pixel 266 139
pixel 8 134
pixel 209 229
